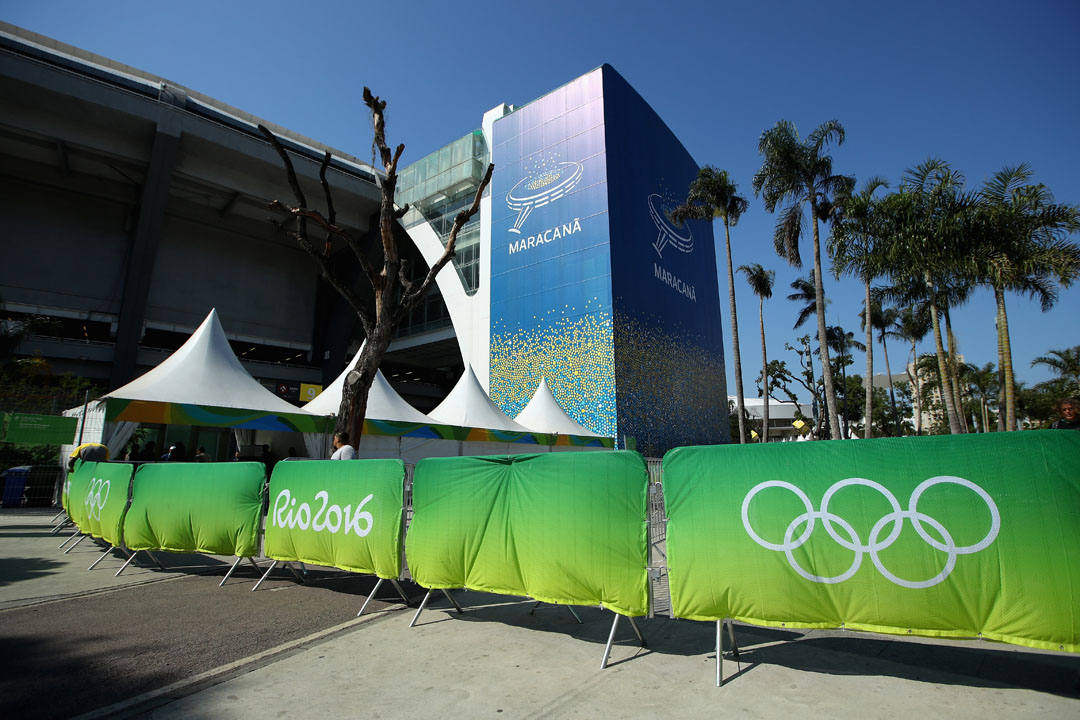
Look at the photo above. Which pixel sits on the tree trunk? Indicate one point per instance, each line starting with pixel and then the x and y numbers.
pixel 764 375
pixel 943 372
pixel 813 392
pixel 869 383
pixel 892 393
pixel 740 402
pixel 1000 369
pixel 1006 362
pixel 954 372
pixel 819 304
pixel 915 383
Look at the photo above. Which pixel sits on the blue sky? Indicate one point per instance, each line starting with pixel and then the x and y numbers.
pixel 979 84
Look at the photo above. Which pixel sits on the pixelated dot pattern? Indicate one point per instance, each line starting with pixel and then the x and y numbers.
pixel 573 351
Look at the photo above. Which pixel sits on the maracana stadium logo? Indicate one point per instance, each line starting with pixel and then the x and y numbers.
pixel 668 233
pixel 548 180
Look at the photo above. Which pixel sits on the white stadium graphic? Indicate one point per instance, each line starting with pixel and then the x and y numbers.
pixel 547 184
pixel 669 234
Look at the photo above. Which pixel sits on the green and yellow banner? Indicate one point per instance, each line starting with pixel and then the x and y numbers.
pixel 566 528
pixel 98 498
pixel 960 536
pixel 212 508
pixel 341 514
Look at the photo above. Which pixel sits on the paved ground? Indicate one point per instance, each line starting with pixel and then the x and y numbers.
pixel 174 645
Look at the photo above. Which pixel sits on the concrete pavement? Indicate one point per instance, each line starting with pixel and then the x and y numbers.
pixel 497 659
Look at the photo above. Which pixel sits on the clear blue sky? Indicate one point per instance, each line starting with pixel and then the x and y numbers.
pixel 979 84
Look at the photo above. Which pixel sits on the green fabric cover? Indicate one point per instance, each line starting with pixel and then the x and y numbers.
pixel 76 487
pixel 342 514
pixel 99 496
pixel 567 528
pixel 983 539
pixel 211 508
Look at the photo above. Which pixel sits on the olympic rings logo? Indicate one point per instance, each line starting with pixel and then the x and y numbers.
pixel 875 543
pixel 96 496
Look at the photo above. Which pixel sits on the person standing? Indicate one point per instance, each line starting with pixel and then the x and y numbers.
pixel 201 455
pixel 1069 411
pixel 342 449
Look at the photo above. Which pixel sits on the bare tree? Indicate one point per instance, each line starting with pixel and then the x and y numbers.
pixel 395 294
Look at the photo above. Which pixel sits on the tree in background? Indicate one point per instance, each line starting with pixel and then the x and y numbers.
pixel 761 282
pixel 1066 364
pixel 713 194
pixel 855 248
pixel 927 222
pixel 885 321
pixel 799 174
pixel 913 325
pixel 1022 247
pixel 395 295
pixel 842 343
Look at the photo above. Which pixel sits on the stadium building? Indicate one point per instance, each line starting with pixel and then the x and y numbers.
pixel 133 206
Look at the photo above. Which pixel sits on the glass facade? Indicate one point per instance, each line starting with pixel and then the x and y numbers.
pixel 437 187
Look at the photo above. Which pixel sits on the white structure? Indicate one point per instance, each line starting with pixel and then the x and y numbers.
pixel 781 417
pixel 544 414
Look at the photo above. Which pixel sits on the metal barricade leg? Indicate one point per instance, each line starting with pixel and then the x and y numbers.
pixel 731 634
pixel 230 571
pixel 423 604
pixel 452 600
pixel 298 576
pixel 574 613
pixel 75 543
pixel 640 637
pixel 124 567
pixel 370 595
pixel 267 573
pixel 258 570
pixel 73 536
pixel 610 640
pixel 404 597
pixel 719 652
pixel 100 557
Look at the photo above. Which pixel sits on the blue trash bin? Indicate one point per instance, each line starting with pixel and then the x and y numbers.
pixel 15 485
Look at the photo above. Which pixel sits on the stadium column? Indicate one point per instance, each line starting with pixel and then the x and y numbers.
pixel 144 246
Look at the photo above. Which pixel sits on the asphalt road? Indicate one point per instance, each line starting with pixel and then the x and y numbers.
pixel 74 655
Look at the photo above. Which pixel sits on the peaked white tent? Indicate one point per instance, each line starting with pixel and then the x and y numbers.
pixel 205 371
pixel 384 403
pixel 468 405
pixel 544 414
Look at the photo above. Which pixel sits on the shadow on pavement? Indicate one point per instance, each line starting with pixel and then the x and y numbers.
pixel 979 664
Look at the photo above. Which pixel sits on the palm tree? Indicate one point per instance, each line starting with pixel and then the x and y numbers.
pixel 913 326
pixel 714 195
pixel 1023 247
pixel 761 282
pixel 982 384
pixel 927 220
pixel 885 320
pixel 1065 363
pixel 806 294
pixel 841 343
pixel 854 248
pixel 798 174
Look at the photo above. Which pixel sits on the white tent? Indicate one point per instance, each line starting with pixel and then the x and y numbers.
pixel 468 405
pixel 544 414
pixel 205 371
pixel 384 403
pixel 201 383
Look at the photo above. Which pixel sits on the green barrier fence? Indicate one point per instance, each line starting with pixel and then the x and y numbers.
pixel 962 536
pixel 567 528
pixel 101 497
pixel 341 514
pixel 76 487
pixel 212 508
